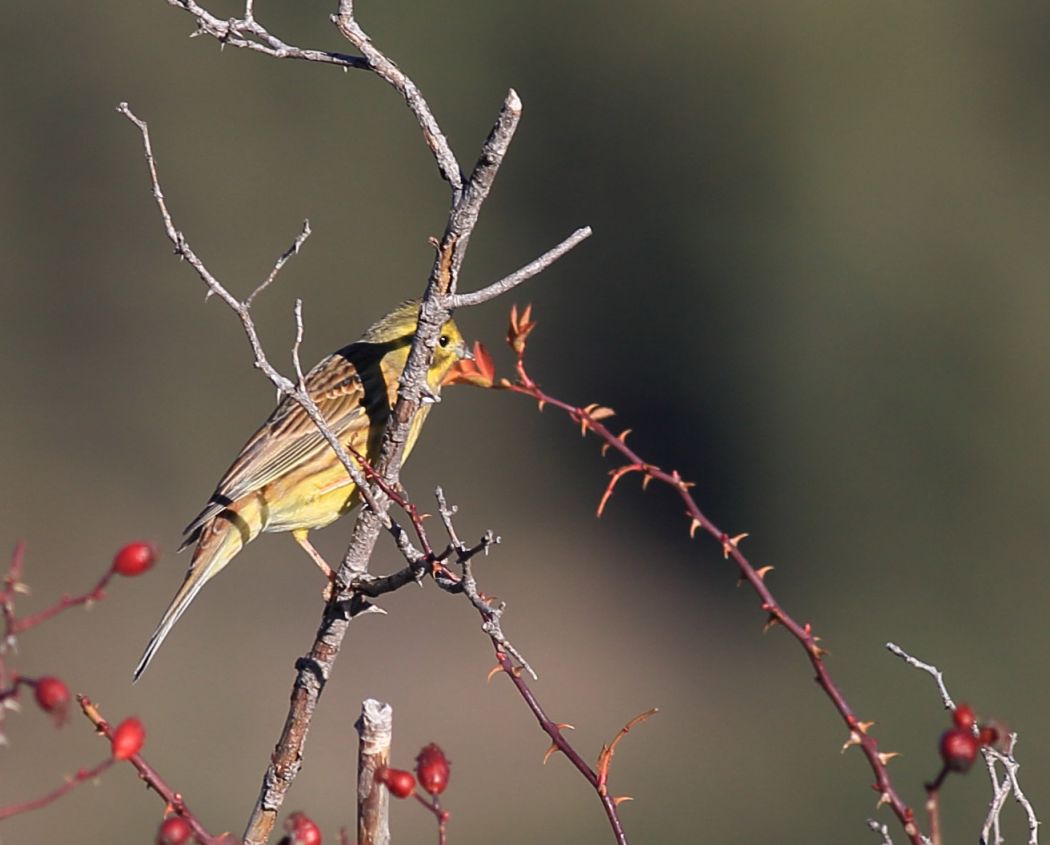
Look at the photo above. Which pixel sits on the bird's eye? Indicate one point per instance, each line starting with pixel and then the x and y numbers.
pixel 444 340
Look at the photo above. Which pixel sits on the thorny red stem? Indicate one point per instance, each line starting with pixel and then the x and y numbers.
pixel 82 776
pixel 769 604
pixel 149 775
pixel 441 816
pixel 12 580
pixel 95 594
pixel 551 728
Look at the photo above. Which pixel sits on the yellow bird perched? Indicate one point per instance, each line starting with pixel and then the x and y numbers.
pixel 287 478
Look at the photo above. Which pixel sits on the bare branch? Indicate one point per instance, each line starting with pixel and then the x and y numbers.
pixel 280 262
pixel 491 615
pixel 373 586
pixel 296 362
pixel 882 830
pixel 531 269
pixel 484 174
pixel 1009 784
pixel 467 204
pixel 243 311
pixel 247 34
pixel 386 70
pixel 933 671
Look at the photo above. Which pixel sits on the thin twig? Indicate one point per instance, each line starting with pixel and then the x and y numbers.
pixel 297 244
pixel 1012 766
pixel 70 783
pixel 882 830
pixel 929 669
pixel 243 311
pixel 300 379
pixel 13 624
pixel 247 34
pixel 1000 792
pixel 531 269
pixel 385 69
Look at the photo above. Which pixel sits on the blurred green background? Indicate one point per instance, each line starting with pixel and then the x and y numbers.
pixel 817 287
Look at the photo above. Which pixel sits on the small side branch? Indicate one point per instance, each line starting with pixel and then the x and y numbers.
pixel 246 33
pixel 531 269
pixel 376 61
pixel 70 783
pixel 1002 787
pixel 929 669
pixel 278 265
pixel 284 385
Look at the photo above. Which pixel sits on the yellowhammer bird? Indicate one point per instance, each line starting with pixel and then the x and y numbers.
pixel 287 478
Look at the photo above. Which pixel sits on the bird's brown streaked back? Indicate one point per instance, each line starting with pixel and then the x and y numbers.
pixel 286 477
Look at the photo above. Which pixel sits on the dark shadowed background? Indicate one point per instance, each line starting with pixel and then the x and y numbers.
pixel 817 287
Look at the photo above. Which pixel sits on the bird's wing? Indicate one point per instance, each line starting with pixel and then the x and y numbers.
pixel 289 437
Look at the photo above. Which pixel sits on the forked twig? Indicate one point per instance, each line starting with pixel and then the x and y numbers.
pixel 1001 788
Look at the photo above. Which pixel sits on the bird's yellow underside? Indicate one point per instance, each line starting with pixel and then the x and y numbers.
pixel 286 478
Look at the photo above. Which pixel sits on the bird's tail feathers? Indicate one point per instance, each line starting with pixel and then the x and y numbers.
pixel 208 560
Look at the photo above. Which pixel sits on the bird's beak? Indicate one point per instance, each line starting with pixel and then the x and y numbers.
pixel 464 352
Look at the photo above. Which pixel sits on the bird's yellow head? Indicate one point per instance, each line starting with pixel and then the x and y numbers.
pixel 396 331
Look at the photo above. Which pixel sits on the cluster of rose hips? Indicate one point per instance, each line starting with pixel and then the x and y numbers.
pixel 432 769
pixel 126 740
pixel 959 744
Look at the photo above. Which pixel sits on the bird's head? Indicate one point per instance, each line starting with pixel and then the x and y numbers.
pixel 398 328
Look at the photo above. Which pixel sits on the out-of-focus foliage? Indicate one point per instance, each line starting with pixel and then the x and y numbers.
pixel 817 287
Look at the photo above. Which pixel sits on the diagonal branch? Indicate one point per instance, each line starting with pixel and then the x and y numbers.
pixel 589 418
pixel 246 33
pixel 385 69
pixel 531 269
pixel 243 309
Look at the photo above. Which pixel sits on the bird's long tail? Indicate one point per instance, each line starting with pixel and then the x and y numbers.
pixel 220 541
